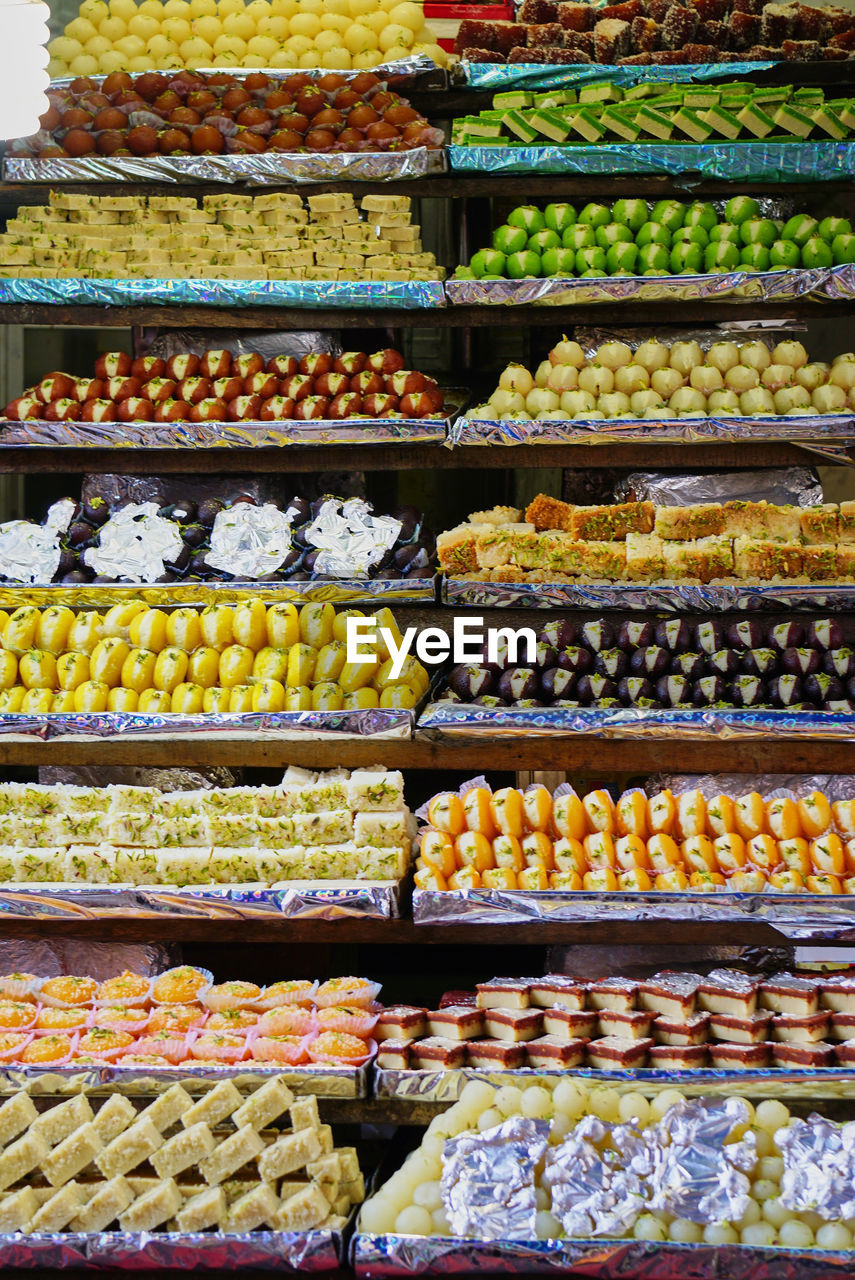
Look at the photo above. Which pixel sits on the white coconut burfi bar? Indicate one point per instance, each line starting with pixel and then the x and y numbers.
pixel 124 1153
pixel 153 1208
pixel 304 1113
pixel 207 1208
pixel 222 1101
pixel 59 1210
pixel 168 1109
pixel 375 789
pixel 24 1155
pixel 230 1155
pixel 110 1199
pixel 17 1209
pixel 331 826
pixel 289 1153
pixel 266 1104
pixel 380 830
pixel 113 1117
pixel 253 1209
pixel 16 1114
pixel 302 1211
pixel 72 1155
pixel 184 1150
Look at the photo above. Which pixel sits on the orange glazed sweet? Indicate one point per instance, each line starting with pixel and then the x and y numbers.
pixel 47 1049
pixel 70 989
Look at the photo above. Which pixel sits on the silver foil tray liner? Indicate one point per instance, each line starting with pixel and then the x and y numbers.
pixel 345 591
pixel 323 1080
pixel 370 294
pixel 746 161
pixel 766 286
pixel 372 722
pixel 697 597
pixel 501 75
pixel 809 916
pixel 271 168
pixel 446 1086
pixel 392 1255
pixel 466 719
pixel 300 900
pixel 814 432
pixel 317 1250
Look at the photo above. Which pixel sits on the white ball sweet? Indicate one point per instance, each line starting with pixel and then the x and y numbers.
pixel 790 352
pixel 751 1215
pixel 537 1103
pixel 720 1233
pixel 614 404
pixel 776 1213
pixel 614 354
pixel 570 1097
pixel 769 1166
pixel 685 1232
pixel 812 375
pixel 559 1128
pixel 546 1227
pixel 508 1100
pixel 649 1228
pixel 663 1101
pixel 441 1225
pixel 567 352
pixel 489 1119
pixel 634 1107
pixel 428 1196
pixel 666 381
pixel 541 374
pixel 596 378
pixel 765 1189
pixel 605 1104
pixel 771 1115
pixel 759 1235
pixel 476 1096
pixel 834 1235
pixel 578 403
pixel 794 1234
pixel 413 1221
pixel 706 378
pixel 541 400
pixel 377 1216
pixel 515 377
pixel 723 356
pixel 631 377
pixel 563 377
pixel 505 402
pixel 684 356
pixel 652 355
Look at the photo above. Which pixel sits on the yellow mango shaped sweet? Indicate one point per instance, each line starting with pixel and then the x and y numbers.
pixel 170 669
pixel 204 667
pixel 301 665
pixel 340 623
pixel 330 661
pixel 37 669
pixel 327 696
pixel 122 700
pixel 268 695
pixel 53 629
pixel 107 660
pixel 361 699
pixel 37 702
pixel 86 632
pixel 92 695
pixel 12 699
pixel 117 621
pixel 72 669
pixel 149 630
pixel 8 669
pixel 283 626
pixel 155 702
pixel 240 698
pixel 249 624
pixel 298 699
pixel 271 663
pixel 356 675
pixel 188 699
pixel 399 697
pixel 63 701
pixel 235 665
pixel 183 629
pixel 216 622
pixel 316 624
pixel 216 699
pixel 138 670
pixel 19 633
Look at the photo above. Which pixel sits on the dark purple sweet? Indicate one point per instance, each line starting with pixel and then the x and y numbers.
pixel 299 510
pixel 708 690
pixel 561 633
pixel 209 510
pixel 786 635
pixel 410 519
pixel 68 560
pixel 310 560
pixel 652 661
pixel 820 688
pixel 674 691
pixel 839 662
pixel 745 634
pixel 760 662
pixel 635 635
pixel 80 534
pixel 517 683
pixel 291 561
pixel 606 704
pixel 799 662
pixel 709 635
pixel 557 683
pixel 299 536
pixel 184 511
pixel 723 662
pixel 785 690
pixel 612 663
pixel 748 691
pixel 575 659
pixel 597 634
pixel 675 635
pixel 181 561
pixel 690 665
pixel 96 511
pixel 448 695
pixel 592 688
pixel 545 656
pixel 501 657
pixel 825 633
pixel 194 535
pixel 470 681
pixel 850 688
pixel 78 575
pixel 633 689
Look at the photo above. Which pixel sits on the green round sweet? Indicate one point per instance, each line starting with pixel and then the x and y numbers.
pixel 524 263
pixel 784 254
pixel 758 231
pixel 817 253
pixel 653 257
pixel 686 257
pixel 613 233
pixel 528 217
pixel 591 274
pixel 691 235
pixel 725 233
pixel 653 233
pixel 631 213
pixel 591 260
pixel 741 209
pixel 843 249
pixel 671 213
pixel 508 239
pixel 558 217
pixel 579 236
pixel 464 273
pixel 800 228
pixel 622 258
pixel 721 257
pixel 831 227
pixel 558 262
pixel 487 262
pixel 701 214
pixel 544 239
pixel 756 256
pixel 595 215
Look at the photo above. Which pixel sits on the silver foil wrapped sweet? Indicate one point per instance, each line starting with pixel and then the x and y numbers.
pixel 31 552
pixel 250 541
pixel 596 1192
pixel 488 1180
pixel 350 539
pixel 135 543
pixel 819 1167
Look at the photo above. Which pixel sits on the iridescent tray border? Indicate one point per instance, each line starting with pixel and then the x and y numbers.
pixel 324 1080
pixel 538 75
pixel 371 722
pixel 401 295
pixel 344 591
pixel 709 598
pixel 812 432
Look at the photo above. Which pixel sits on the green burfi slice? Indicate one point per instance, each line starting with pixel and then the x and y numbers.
pixel 756 120
pixel 600 91
pixel 519 125
pixel 656 123
pixel 692 124
pixel 723 122
pixel 793 121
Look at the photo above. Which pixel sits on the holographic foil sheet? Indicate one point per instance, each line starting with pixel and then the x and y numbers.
pixel 823 429
pixel 373 722
pixel 765 286
pixel 697 597
pixel 270 168
pixel 294 900
pixel 739 161
pixel 796 916
pixel 467 719
pixel 322 1079
pixel 399 295
pixel 345 591
pixel 394 71
pixel 318 1250
pixel 375 1257
pixel 534 75
pixel 444 1087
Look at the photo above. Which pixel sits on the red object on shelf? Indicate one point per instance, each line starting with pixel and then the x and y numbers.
pixel 445 19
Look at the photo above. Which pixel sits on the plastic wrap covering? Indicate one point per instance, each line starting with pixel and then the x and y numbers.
pixel 533 75
pixel 708 598
pixel 382 1256
pixel 798 916
pixel 467 719
pixel 318 1250
pixel 399 295
pixel 49 958
pixel 371 722
pixel 824 430
pixel 269 169
pixel 396 71
pixel 800 486
pixel 325 1080
pixel 738 161
pixel 297 900
pixel 760 286
pixel 177 779
pixel 345 591
pixel 297 343
pixel 771 785
pixel 447 1086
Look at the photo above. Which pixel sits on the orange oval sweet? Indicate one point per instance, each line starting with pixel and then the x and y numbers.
pixel 16 1013
pixel 71 989
pixel 60 1019
pixel 338 1044
pixel 231 1020
pixel 179 986
pixel 47 1049
pixel 103 1040
pixel 176 1018
pixel 127 986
